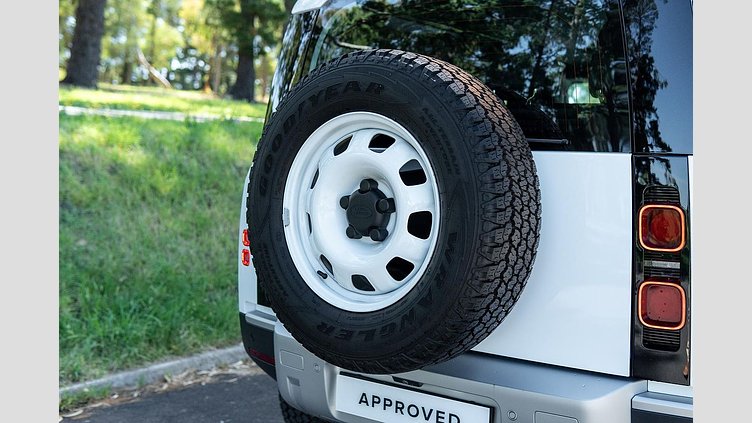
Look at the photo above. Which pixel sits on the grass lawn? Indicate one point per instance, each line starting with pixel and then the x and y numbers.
pixel 126 97
pixel 148 232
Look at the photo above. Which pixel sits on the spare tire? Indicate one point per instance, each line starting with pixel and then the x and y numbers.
pixel 393 211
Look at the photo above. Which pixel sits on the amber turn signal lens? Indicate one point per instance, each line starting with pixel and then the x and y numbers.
pixel 662 305
pixel 662 228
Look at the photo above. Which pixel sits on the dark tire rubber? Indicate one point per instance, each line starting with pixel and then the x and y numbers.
pixel 292 415
pixel 489 206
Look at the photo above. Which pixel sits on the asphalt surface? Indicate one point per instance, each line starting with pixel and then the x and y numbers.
pixel 225 399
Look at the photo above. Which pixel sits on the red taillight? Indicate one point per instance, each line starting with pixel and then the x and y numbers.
pixel 662 305
pixel 246 242
pixel 246 257
pixel 662 228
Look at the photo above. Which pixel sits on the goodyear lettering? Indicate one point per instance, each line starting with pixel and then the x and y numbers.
pixel 277 142
pixel 331 91
pixel 374 88
pixel 351 86
pixel 314 99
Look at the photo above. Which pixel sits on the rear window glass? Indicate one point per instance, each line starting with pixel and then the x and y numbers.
pixel 558 65
pixel 659 36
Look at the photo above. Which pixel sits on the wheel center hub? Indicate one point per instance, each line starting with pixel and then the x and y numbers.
pixel 368 211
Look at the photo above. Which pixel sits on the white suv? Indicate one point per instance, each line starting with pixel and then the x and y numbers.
pixel 466 211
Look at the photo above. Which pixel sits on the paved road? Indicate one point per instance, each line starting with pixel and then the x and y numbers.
pixel 227 399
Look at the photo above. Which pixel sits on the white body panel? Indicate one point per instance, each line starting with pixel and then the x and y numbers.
pixel 247 289
pixel 302 6
pixel 575 310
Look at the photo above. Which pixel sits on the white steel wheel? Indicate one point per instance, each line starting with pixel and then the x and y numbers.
pixel 360 211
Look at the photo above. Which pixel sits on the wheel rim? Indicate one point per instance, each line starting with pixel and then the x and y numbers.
pixel 334 249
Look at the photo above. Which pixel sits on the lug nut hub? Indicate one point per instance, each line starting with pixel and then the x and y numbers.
pixel 368 211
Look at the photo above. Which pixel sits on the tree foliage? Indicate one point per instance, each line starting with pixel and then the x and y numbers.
pixel 254 26
pixel 193 44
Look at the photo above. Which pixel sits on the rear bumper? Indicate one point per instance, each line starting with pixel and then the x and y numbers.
pixel 517 391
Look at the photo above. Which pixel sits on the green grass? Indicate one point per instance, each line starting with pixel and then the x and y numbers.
pixel 81 398
pixel 125 97
pixel 147 238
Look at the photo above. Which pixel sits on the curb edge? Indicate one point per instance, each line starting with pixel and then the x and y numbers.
pixel 149 374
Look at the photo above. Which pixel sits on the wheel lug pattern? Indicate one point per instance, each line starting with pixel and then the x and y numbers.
pixel 378 234
pixel 386 205
pixel 367 185
pixel 352 233
pixel 344 201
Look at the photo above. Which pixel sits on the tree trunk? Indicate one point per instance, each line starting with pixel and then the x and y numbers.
pixel 243 89
pixel 86 48
pixel 245 75
pixel 152 39
pixel 216 65
pixel 538 73
pixel 127 70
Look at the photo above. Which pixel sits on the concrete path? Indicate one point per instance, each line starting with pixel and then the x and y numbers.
pixel 151 114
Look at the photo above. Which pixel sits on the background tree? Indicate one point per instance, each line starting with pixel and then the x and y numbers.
pixel 141 39
pixel 125 28
pixel 205 32
pixel 646 79
pixel 253 24
pixel 185 44
pixel 162 13
pixel 86 46
pixel 66 26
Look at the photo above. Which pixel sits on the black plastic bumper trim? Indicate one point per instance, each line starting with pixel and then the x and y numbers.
pixel 640 416
pixel 259 345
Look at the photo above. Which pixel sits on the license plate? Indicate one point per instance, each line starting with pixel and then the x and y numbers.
pixel 386 403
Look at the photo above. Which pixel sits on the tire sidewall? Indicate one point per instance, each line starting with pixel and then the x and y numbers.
pixel 421 108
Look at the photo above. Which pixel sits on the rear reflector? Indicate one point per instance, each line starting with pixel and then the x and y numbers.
pixel 662 305
pixel 246 242
pixel 662 228
pixel 261 356
pixel 246 257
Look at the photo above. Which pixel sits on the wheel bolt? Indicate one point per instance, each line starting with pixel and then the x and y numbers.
pixel 385 205
pixel 378 234
pixel 367 185
pixel 344 201
pixel 352 233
